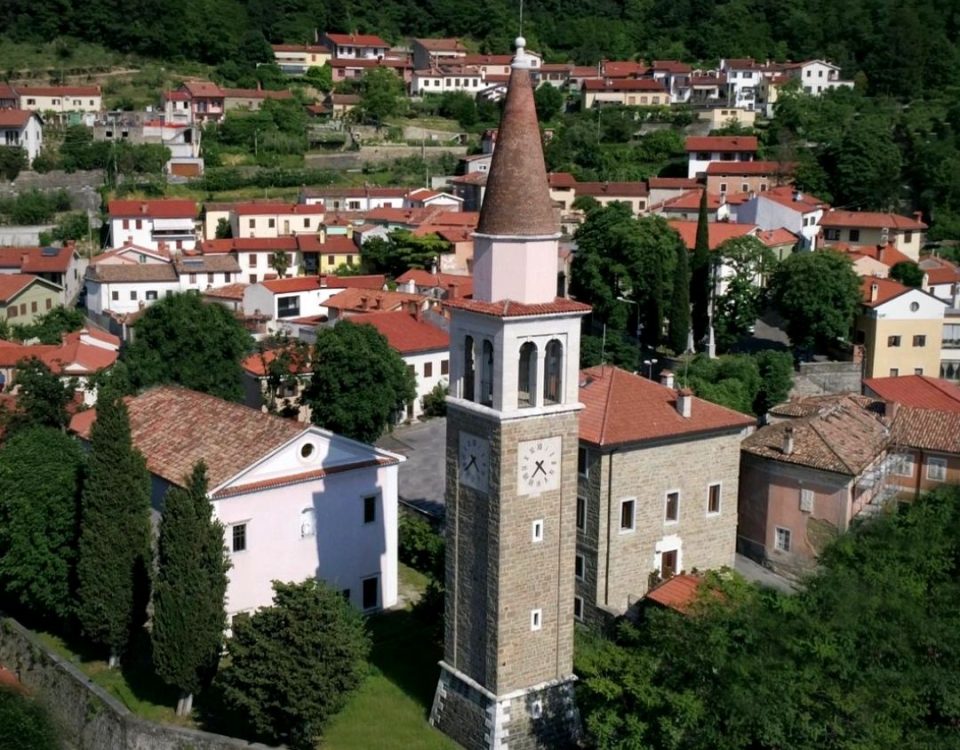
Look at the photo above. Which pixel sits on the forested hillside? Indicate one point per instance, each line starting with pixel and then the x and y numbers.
pixel 902 47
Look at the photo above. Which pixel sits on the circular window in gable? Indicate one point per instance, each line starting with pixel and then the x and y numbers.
pixel 307 450
pixel 914 306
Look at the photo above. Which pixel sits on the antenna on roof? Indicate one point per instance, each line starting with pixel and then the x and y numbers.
pixel 521 18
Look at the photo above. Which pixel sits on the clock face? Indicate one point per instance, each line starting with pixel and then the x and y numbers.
pixel 474 461
pixel 538 467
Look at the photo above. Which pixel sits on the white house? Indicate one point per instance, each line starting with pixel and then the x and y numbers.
pixel 424 198
pixel 21 128
pixel 296 501
pixel 201 272
pixel 60 99
pixel 442 78
pixel 356 46
pixel 151 224
pixel 817 76
pixel 702 150
pixel 355 198
pixel 264 220
pixel 285 302
pixel 424 347
pixel 122 288
pixel 785 207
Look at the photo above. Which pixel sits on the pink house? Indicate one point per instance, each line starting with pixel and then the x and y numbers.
pixel 295 500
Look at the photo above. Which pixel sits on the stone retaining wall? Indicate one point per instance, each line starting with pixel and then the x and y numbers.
pixel 90 718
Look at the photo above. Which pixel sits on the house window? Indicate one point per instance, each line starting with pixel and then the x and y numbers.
pixel 782 539
pixel 536 619
pixel 428 369
pixel 578 607
pixel 486 374
pixel 920 340
pixel 908 236
pixel 581 513
pixel 903 465
pixel 893 341
pixel 672 511
pixel 239 537
pixel 151 294
pixel 370 509
pixel 271 223
pixel 918 371
pixel 210 278
pixel 937 469
pixel 49 303
pixel 583 465
pixel 371 592
pixel 744 187
pixel 806 501
pixel 668 563
pixel 579 566
pixel 139 224
pixel 854 235
pixel 253 278
pixel 331 260
pixel 288 307
pixel 444 366
pixel 12 312
pixel 126 223
pixel 536 532
pixel 627 508
pixel 133 296
pixel 307 522
pixel 226 278
pixel 723 187
pixel 33 306
pixel 894 372
pixel 831 234
pixel 713 499
pixel 193 278
pixel 252 223
pixel 252 259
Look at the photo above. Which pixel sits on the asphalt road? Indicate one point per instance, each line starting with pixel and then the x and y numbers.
pixel 423 474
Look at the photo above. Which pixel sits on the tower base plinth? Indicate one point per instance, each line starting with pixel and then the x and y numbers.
pixel 541 716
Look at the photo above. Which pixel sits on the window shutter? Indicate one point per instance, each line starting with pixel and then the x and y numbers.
pixel 806 501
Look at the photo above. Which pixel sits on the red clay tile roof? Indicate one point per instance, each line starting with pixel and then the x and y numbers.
pixel 255 209
pixel 939 270
pixel 109 273
pixel 33 259
pixel 511 309
pixel 927 429
pixel 73 356
pixel 405 333
pixel 624 84
pixel 689 201
pixel 257 363
pixel 58 90
pixel 620 408
pixel 296 284
pixel 561 180
pixel 298 48
pixel 334 244
pixel 787 196
pixel 206 263
pixel 363 281
pixel 203 89
pixel 623 68
pixel 11 284
pixel 678 593
pixel 888 255
pixel 230 291
pixel 442 45
pixel 748 168
pixel 305 476
pixel 613 189
pixel 256 94
pixel 777 237
pixel 672 183
pixel 357 40
pixel 370 300
pixel 717 231
pixel 711 143
pixel 842 436
pixel 887 289
pixel 171 208
pixel 16 118
pixel 174 428
pixel 517 198
pixel 424 278
pixel 920 391
pixel 869 220
pixel 671 66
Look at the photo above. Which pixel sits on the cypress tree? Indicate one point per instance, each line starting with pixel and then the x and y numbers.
pixel 114 559
pixel 188 610
pixel 700 274
pixel 679 329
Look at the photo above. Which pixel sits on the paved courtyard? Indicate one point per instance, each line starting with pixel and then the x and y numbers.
pixel 423 474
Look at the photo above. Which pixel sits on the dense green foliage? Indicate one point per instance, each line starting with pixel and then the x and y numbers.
pixel 624 267
pixel 190 584
pixel 114 551
pixel 26 724
pixel 43 396
pixel 749 383
pixel 435 403
pixel 40 473
pixel 278 127
pixel 908 274
pixel 748 263
pixel 818 295
pixel 13 160
pixel 381 95
pixel 80 151
pixel 181 339
pixel 678 327
pixel 35 206
pixel 401 251
pixel 71 227
pixel 294 664
pixel 359 384
pixel 864 657
pixel 420 545
pixel 51 326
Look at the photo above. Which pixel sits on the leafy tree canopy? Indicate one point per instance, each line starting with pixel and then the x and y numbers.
pixel 401 251
pixel 908 274
pixel 43 397
pixel 181 339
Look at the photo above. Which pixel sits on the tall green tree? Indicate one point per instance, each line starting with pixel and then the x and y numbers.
pixel 380 94
pixel 43 397
pixel 907 273
pixel 294 664
pixel 548 101
pixel 749 264
pixel 115 546
pixel 359 384
pixel 678 332
pixel 40 473
pixel 818 294
pixel 701 274
pixel 188 596
pixel 181 339
pixel 401 251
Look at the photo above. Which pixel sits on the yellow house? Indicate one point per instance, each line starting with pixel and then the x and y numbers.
pixel 60 98
pixel 900 328
pixel 24 297
pixel 297 59
pixel 626 92
pixel 874 228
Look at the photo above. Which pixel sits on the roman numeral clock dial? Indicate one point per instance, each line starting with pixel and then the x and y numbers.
pixel 538 465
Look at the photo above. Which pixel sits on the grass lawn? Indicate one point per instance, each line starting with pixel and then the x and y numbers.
pixel 389 710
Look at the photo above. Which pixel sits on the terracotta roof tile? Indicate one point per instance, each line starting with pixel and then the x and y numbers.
pixel 16 118
pixel 230 291
pixel 613 189
pixel 206 263
pixel 11 284
pixel 422 278
pixel 920 391
pixel 362 281
pixel 790 197
pixel 842 436
pixel 620 408
pixel 131 272
pixel 172 208
pixel 333 244
pixel 940 270
pixel 748 168
pixel 370 300
pixel 37 260
pixel 711 143
pixel 678 593
pixel 407 334
pixel 517 199
pixel 777 237
pixel 672 183
pixel 58 90
pixel 717 231
pixel 264 208
pixel 927 429
pixel 870 220
pixel 887 289
pixel 357 40
pixel 511 309
pixel 624 84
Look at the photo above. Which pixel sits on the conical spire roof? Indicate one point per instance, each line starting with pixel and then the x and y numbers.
pixel 517 198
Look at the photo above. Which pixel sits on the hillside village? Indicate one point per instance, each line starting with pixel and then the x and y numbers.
pixel 723 370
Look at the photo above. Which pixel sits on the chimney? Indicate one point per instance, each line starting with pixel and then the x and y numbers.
pixel 453 291
pixel 666 378
pixel 918 215
pixel 413 308
pixel 874 291
pixel 787 447
pixel 364 302
pixel 322 234
pixel 890 409
pixel 685 402
pixel 798 196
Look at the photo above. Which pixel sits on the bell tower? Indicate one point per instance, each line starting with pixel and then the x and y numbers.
pixel 506 677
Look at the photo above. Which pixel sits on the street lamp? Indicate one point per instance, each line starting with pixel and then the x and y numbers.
pixel 650 363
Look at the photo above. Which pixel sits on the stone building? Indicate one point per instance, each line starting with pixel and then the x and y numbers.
pixel 658 471
pixel 507 672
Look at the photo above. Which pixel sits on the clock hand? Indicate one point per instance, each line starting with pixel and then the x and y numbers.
pixel 539 468
pixel 472 462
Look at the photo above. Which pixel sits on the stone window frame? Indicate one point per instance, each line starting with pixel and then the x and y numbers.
pixel 633 515
pixel 580 562
pixel 578 616
pixel 578 515
pixel 536 619
pixel 667 521
pixel 536 531
pixel 719 510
